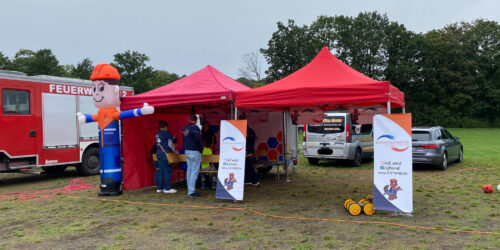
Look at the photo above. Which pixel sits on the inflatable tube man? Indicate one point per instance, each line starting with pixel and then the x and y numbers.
pixel 106 81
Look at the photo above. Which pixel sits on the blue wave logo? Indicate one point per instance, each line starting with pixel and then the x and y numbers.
pixel 229 138
pixel 393 146
pixel 390 137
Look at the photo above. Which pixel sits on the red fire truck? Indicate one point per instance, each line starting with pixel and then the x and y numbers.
pixel 39 127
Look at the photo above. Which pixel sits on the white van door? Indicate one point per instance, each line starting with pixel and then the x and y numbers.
pixel 337 125
pixel 329 138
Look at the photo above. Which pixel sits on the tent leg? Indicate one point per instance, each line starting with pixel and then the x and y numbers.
pixel 231 110
pixel 404 110
pixel 388 107
pixel 278 172
pixel 236 113
pixel 285 159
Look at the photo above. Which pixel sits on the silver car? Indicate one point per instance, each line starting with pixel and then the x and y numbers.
pixel 436 146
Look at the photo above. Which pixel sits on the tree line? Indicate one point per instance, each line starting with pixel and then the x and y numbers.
pixel 132 66
pixel 450 76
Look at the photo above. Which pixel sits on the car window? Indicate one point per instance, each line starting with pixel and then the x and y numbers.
pixel 438 134
pixel 444 135
pixel 330 125
pixel 420 135
pixel 448 133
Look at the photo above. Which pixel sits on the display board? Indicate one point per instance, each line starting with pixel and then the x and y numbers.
pixel 393 190
pixel 231 174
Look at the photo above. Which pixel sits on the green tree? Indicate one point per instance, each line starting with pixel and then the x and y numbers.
pixel 362 42
pixel 290 48
pixel 449 76
pixel 4 62
pixel 162 78
pixel 41 62
pixel 484 56
pixel 83 69
pixel 134 71
pixel 250 82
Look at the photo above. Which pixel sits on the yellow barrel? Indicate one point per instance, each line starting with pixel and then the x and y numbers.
pixel 354 209
pixel 347 201
pixel 369 198
pixel 368 209
pixel 363 201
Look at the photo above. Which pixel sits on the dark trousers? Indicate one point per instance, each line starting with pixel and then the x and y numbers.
pixel 250 173
pixel 162 173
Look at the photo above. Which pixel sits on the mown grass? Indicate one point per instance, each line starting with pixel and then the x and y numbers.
pixel 442 199
pixel 481 146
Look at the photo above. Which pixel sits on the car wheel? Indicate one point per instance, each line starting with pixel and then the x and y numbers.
pixel 90 162
pixel 357 158
pixel 444 161
pixel 460 155
pixel 313 161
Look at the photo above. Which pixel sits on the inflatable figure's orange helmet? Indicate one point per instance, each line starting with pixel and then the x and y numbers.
pixel 104 71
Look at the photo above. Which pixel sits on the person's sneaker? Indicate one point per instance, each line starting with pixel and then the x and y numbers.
pixel 170 191
pixel 256 184
pixel 195 194
pixel 158 190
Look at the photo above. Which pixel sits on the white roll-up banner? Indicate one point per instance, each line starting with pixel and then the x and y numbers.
pixel 393 186
pixel 231 175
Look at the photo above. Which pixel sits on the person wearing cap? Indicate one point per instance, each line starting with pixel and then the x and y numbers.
pixel 191 137
pixel 106 97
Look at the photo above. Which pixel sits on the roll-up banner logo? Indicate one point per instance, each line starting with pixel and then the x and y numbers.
pixel 393 185
pixel 231 174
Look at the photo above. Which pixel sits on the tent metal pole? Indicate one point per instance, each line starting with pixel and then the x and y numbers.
pixel 404 110
pixel 236 113
pixel 285 158
pixel 232 108
pixel 388 107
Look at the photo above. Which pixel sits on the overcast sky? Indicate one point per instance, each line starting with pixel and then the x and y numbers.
pixel 183 36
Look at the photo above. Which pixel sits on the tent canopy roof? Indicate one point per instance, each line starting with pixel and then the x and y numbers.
pixel 325 81
pixel 205 86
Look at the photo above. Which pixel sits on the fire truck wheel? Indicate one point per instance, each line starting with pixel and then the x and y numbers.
pixel 54 170
pixel 90 162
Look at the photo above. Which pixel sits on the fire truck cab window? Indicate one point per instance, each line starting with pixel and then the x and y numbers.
pixel 15 102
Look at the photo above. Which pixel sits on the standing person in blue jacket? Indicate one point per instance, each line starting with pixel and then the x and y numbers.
pixel 165 144
pixel 193 148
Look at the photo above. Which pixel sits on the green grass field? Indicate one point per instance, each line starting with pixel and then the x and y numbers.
pixel 481 146
pixel 140 219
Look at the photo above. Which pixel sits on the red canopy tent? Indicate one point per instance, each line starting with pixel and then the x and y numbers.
pixel 205 86
pixel 325 82
pixel 173 103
